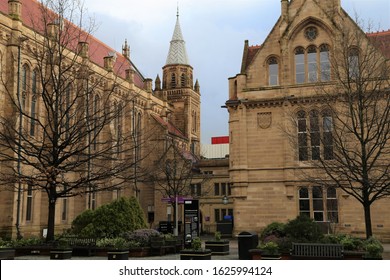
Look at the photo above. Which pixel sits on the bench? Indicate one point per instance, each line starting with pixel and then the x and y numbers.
pixel 82 246
pixel 317 251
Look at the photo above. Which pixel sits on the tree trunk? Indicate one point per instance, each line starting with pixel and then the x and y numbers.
pixel 51 220
pixel 367 219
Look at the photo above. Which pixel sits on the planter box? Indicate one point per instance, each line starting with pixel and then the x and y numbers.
pixel 220 247
pixel 257 254
pixel 33 250
pixel 60 254
pixel 139 252
pixel 353 255
pixel 7 254
pixel 118 254
pixel 195 255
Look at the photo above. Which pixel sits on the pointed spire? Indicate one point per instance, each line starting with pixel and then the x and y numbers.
pixel 177 51
pixel 157 83
pixel 126 50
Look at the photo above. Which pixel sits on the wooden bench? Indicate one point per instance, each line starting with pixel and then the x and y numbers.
pixel 82 246
pixel 317 251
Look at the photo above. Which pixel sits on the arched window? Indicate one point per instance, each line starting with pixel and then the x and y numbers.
pixel 183 80
pixel 67 105
pixel 299 65
pixel 173 80
pixel 273 71
pixel 315 136
pixel 312 64
pixel 24 84
pixel 96 120
pixel 33 104
pixel 324 63
pixel 353 63
pixel 327 128
pixel 302 136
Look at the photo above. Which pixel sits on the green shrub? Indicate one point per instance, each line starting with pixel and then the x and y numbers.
pixel 142 236
pixel 303 229
pixel 110 220
pixel 115 243
pixel 373 247
pixel 24 242
pixel 351 243
pixel 270 248
pixel 273 229
pixel 196 244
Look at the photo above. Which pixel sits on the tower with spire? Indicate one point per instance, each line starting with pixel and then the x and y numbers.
pixel 179 89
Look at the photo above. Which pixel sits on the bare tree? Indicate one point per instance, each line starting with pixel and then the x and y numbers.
pixel 353 128
pixel 66 135
pixel 173 173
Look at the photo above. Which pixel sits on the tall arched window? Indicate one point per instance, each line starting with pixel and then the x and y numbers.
pixel 302 136
pixel 183 80
pixel 24 84
pixel 299 65
pixel 173 80
pixel 119 127
pixel 324 63
pixel 353 63
pixel 315 136
pixel 96 120
pixel 327 127
pixel 33 104
pixel 273 71
pixel 312 64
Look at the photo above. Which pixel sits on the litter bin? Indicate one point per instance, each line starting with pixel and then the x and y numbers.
pixel 246 241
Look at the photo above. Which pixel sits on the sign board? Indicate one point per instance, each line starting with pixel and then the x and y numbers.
pixel 191 218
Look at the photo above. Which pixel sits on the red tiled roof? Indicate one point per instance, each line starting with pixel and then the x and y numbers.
pixel 172 129
pixel 32 17
pixel 382 41
pixel 252 51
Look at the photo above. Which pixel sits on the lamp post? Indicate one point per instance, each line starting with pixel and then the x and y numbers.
pixel 18 233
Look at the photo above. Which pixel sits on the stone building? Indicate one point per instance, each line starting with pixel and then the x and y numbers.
pixel 170 113
pixel 268 153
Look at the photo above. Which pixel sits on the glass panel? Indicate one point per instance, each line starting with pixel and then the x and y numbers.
pixel 319 216
pixel 300 67
pixel 273 74
pixel 216 188
pixel 318 204
pixel 312 66
pixel 331 205
pixel 304 193
pixel 324 63
pixel 317 192
pixel 304 205
pixel 333 217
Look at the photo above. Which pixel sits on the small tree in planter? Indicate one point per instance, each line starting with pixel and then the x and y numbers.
pixel 270 251
pixel 117 248
pixel 196 252
pixel 374 249
pixel 218 246
pixel 61 250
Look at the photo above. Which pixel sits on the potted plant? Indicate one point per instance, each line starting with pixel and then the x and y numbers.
pixel 218 246
pixel 61 250
pixel 353 247
pixel 270 251
pixel 373 248
pixel 117 248
pixel 195 252
pixel 6 251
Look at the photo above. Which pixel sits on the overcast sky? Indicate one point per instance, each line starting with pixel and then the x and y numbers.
pixel 214 31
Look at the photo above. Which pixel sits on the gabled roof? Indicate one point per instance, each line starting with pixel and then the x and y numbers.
pixel 172 129
pixel 31 15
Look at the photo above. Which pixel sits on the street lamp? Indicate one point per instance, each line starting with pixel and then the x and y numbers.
pixel 225 200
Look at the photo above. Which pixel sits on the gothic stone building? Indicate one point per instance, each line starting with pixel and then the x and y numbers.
pixel 171 111
pixel 277 79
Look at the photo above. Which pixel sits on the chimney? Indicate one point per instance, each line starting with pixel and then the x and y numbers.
pixel 285 4
pixel 83 48
pixel 15 9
